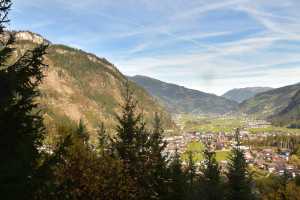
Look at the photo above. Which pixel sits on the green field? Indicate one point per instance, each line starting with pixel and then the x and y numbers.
pixel 197 149
pixel 211 124
pixel 222 155
pixel 274 129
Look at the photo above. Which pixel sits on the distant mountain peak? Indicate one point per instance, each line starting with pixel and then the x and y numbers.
pixel 241 94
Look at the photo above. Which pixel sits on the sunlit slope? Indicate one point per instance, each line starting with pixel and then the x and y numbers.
pixel 79 85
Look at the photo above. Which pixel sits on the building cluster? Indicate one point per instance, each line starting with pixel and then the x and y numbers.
pixel 271 160
pixel 256 123
pixel 179 143
pixel 268 159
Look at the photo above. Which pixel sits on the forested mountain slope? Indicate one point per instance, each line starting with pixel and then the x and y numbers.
pixel 291 114
pixel 241 94
pixel 272 103
pixel 178 99
pixel 79 85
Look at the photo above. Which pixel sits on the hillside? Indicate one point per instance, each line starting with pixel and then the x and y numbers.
pixel 79 85
pixel 272 103
pixel 291 114
pixel 241 94
pixel 178 99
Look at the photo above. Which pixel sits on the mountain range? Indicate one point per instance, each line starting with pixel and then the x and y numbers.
pixel 241 94
pixel 79 85
pixel 279 104
pixel 178 99
pixel 291 114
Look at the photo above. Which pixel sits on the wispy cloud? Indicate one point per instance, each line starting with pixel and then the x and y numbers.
pixel 209 45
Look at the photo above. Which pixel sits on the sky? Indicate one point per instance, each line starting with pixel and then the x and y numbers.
pixel 208 45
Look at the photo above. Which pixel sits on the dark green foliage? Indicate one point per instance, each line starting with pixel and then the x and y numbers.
pixel 104 140
pixel 4 8
pixel 21 124
pixel 211 184
pixel 191 169
pixel 158 159
pixel 191 178
pixel 82 173
pixel 82 132
pixel 239 179
pixel 276 187
pixel 177 182
pixel 132 144
pixel 45 175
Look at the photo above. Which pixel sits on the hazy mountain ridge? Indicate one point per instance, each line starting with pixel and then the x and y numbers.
pixel 241 94
pixel 272 103
pixel 79 85
pixel 291 114
pixel 178 99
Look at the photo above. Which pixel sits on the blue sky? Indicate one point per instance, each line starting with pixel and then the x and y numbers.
pixel 209 45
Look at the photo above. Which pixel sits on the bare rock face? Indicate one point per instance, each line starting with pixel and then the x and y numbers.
pixel 29 36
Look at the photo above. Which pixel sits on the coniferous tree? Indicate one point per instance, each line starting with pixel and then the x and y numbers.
pixel 21 123
pixel 177 182
pixel 239 179
pixel 83 174
pixel 46 172
pixel 82 132
pixel 191 177
pixel 211 186
pixel 132 144
pixel 158 159
pixel 104 140
pixel 191 169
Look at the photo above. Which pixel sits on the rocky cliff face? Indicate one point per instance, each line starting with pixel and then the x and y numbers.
pixel 79 85
pixel 29 36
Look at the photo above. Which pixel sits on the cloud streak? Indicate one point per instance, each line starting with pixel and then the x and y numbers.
pixel 209 45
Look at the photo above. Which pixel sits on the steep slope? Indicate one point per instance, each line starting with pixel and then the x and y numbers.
pixel 178 99
pixel 241 94
pixel 79 85
pixel 291 114
pixel 270 103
